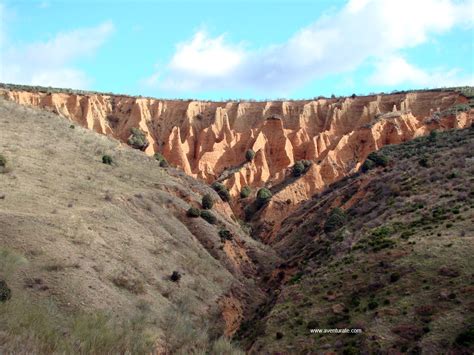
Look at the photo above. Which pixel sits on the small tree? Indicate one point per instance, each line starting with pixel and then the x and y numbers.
pixel 263 196
pixel 221 191
pixel 207 202
pixel 193 212
pixel 225 234
pixel 208 217
pixel 245 192
pixel 107 159
pixel 378 158
pixel 138 139
pixel 3 161
pixel 368 164
pixel 249 155
pixel 5 292
pixel 335 220
pixel 298 169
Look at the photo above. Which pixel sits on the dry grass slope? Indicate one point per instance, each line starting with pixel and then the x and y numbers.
pixel 87 245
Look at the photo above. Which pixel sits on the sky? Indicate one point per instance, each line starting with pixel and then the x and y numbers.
pixel 229 49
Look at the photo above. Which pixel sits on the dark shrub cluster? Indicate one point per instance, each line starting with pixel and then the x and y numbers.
pixel 208 217
pixel 193 212
pixel 221 191
pixel 225 234
pixel 207 202
pixel 5 292
pixel 263 196
pixel 373 160
pixel 3 161
pixel 301 167
pixel 249 155
pixel 336 219
pixel 245 192
pixel 161 159
pixel 175 276
pixel 138 139
pixel 107 159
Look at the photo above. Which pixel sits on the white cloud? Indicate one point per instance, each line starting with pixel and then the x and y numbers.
pixel 362 30
pixel 51 63
pixel 395 70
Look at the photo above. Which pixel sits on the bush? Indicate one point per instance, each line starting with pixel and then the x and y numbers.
pixel 3 161
pixel 433 136
pixel 164 163
pixel 208 217
pixel 368 165
pixel 335 220
pixel 207 202
pixel 225 234
pixel 175 276
pixel 245 192
pixel 378 158
pixel 138 139
pixel 298 168
pixel 424 162
pixel 221 191
pixel 249 155
pixel 263 196
pixel 107 159
pixel 465 338
pixel 5 292
pixel 158 156
pixel 193 212
pixel 307 164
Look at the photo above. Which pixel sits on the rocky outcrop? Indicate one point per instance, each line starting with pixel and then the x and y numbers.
pixel 209 139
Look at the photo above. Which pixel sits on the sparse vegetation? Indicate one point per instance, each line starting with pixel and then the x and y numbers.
pixel 107 159
pixel 138 139
pixel 225 234
pixel 5 292
pixel 193 212
pixel 222 191
pixel 208 217
pixel 3 161
pixel 298 168
pixel 161 159
pixel 175 276
pixel 207 202
pixel 249 155
pixel 335 220
pixel 245 192
pixel 263 196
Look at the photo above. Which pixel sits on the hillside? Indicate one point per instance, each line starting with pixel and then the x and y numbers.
pixel 209 140
pixel 388 251
pixel 103 258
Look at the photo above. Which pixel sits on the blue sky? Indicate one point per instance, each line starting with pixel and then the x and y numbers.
pixel 238 49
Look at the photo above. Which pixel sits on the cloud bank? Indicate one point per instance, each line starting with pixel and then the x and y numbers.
pixel 363 31
pixel 51 63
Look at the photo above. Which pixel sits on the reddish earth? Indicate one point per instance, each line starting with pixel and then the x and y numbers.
pixel 208 140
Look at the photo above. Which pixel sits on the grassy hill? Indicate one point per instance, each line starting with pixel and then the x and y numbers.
pixel 388 251
pixel 103 258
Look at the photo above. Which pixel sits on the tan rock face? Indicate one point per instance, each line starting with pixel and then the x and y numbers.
pixel 206 138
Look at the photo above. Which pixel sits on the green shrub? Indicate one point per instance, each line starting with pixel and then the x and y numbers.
pixel 307 164
pixel 193 212
pixel 368 165
pixel 298 168
pixel 3 161
pixel 424 162
pixel 207 202
pixel 225 234
pixel 466 338
pixel 138 139
pixel 208 217
pixel 263 196
pixel 336 219
pixel 372 304
pixel 158 156
pixel 175 276
pixel 107 159
pixel 5 292
pixel 221 191
pixel 433 136
pixel 245 192
pixel 164 163
pixel 378 158
pixel 249 155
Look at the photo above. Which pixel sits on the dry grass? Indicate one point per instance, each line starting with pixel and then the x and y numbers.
pixel 80 223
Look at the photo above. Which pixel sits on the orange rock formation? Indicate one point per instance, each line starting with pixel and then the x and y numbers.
pixel 208 140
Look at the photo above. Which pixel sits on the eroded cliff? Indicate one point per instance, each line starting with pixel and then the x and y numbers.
pixel 208 140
